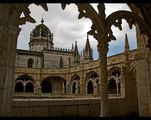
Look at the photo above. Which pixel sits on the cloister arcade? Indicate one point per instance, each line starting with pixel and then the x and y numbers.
pixel 57 85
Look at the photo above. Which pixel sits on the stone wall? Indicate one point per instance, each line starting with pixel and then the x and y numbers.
pixel 22 61
pixel 53 60
pixel 80 107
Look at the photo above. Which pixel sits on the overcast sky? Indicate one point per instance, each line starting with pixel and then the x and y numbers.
pixel 67 28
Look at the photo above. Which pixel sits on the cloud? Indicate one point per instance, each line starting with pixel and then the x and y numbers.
pixel 67 28
pixel 117 46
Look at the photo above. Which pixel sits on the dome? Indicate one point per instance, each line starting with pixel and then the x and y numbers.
pixel 41 30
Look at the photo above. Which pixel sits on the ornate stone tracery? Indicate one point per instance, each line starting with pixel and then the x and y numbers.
pixel 114 77
pixel 24 83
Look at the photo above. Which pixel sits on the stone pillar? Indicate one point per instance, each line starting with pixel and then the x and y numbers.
pixel 68 89
pixel 95 86
pixel 148 60
pixel 77 87
pixel 81 89
pixel 103 49
pixel 85 88
pixel 122 82
pixel 82 78
pixel 37 88
pixel 8 42
pixel 63 89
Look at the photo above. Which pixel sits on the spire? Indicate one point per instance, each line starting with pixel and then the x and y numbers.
pixel 87 52
pixel 42 21
pixel 127 48
pixel 76 47
pixel 126 52
pixel 72 49
pixel 87 46
pixel 76 53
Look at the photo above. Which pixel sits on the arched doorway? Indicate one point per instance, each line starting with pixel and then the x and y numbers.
pixel 46 87
pixel 54 85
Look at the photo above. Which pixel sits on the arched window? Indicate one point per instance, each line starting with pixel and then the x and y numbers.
pixel 75 84
pixel 92 82
pixel 112 87
pixel 90 87
pixel 114 76
pixel 29 87
pixel 74 88
pixel 24 83
pixel 19 87
pixel 46 87
pixel 30 63
pixel 91 74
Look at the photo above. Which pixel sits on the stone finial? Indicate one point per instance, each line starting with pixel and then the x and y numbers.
pixel 72 48
pixel 127 47
pixel 87 46
pixel 42 21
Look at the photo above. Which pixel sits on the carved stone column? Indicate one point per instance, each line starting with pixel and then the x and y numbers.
pixel 8 42
pixel 95 87
pixel 68 89
pixel 37 90
pixel 81 78
pixel 103 49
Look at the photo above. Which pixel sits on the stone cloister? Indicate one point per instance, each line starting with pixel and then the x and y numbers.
pixel 58 83
pixel 101 31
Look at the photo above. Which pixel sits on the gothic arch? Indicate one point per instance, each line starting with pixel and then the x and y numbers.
pixel 53 84
pixel 91 74
pixel 19 87
pixel 24 83
pixel 75 84
pixel 90 86
pixel 75 77
pixel 92 83
pixel 114 80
